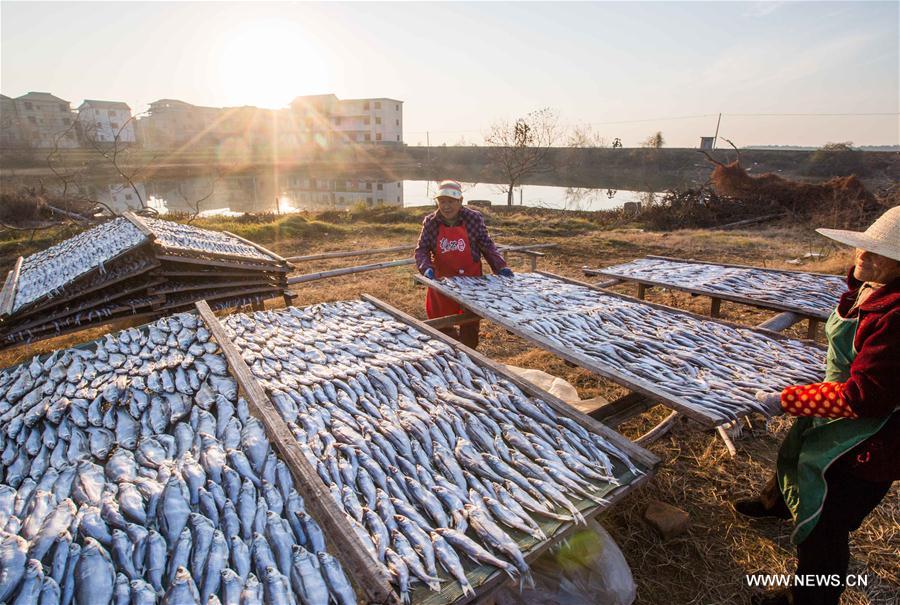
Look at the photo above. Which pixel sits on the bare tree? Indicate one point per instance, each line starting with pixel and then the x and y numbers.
pixel 654 141
pixel 521 148
pixel 585 136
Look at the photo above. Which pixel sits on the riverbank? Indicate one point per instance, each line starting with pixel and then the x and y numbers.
pixel 709 562
pixel 635 169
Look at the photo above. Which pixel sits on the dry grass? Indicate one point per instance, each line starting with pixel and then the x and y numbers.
pixel 706 565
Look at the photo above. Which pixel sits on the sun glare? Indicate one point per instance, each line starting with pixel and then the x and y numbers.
pixel 269 62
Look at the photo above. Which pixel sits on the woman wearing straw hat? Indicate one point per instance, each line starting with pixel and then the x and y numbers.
pixel 451 243
pixel 843 452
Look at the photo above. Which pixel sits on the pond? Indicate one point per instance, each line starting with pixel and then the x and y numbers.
pixel 271 191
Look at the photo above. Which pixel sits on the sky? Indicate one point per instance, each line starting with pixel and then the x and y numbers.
pixel 627 69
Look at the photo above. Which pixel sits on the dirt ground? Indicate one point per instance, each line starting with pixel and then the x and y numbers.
pixel 707 564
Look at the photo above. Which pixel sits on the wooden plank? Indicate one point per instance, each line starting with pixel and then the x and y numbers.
pixel 349 253
pixel 616 412
pixel 452 320
pixel 258 247
pixel 174 288
pixel 737 298
pixel 140 224
pixel 49 330
pixel 812 329
pixel 8 296
pixel 646 458
pixel 123 321
pixel 372 584
pixel 275 291
pixel 56 313
pixel 212 273
pixel 631 382
pixel 225 256
pixel 382 265
pixel 659 430
pixel 300 279
pixel 781 322
pixel 703 262
pixel 221 263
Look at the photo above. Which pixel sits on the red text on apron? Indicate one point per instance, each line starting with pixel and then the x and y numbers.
pixel 452 257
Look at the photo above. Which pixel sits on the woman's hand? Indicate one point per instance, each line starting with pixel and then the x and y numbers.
pixel 771 402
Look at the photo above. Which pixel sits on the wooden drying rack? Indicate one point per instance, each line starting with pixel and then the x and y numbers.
pixel 715 297
pixel 370 582
pixel 644 394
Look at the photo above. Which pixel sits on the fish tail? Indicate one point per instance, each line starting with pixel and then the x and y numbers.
pixel 434 585
pixel 467 588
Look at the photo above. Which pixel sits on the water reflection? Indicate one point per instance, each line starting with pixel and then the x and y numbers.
pixel 234 195
pixel 269 191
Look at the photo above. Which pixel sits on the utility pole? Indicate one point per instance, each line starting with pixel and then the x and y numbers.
pixel 428 147
pixel 716 138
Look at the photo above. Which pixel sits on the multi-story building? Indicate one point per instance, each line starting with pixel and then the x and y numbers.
pixel 104 121
pixel 172 123
pixel 325 118
pixel 45 121
pixel 10 129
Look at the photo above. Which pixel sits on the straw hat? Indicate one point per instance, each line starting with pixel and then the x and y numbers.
pixel 883 237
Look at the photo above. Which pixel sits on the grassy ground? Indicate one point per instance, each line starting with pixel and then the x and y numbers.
pixel 708 563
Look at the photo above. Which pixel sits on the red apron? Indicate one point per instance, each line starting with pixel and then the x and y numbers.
pixel 452 257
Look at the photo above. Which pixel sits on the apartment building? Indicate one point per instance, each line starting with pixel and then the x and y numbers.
pixel 10 129
pixel 171 123
pixel 349 121
pixel 44 121
pixel 103 121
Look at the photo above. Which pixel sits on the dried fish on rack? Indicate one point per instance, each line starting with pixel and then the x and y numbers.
pixel 812 294
pixel 89 274
pixel 131 472
pixel 706 367
pixel 48 271
pixel 435 460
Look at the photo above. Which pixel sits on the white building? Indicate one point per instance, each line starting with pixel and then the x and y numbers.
pixel 101 121
pixel 348 121
pixel 369 120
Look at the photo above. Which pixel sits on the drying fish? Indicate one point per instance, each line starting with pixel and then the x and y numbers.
pixel 811 293
pixel 713 368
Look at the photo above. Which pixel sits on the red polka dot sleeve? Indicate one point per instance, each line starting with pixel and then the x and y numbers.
pixel 823 399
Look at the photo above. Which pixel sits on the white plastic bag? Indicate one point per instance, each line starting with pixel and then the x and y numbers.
pixel 586 569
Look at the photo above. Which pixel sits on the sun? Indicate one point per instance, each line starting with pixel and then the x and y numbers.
pixel 269 62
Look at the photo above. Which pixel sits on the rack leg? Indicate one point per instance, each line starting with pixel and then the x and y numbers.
pixel 715 304
pixel 642 291
pixel 812 328
pixel 729 444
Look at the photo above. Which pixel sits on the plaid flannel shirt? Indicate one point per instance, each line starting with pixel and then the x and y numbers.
pixel 479 240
